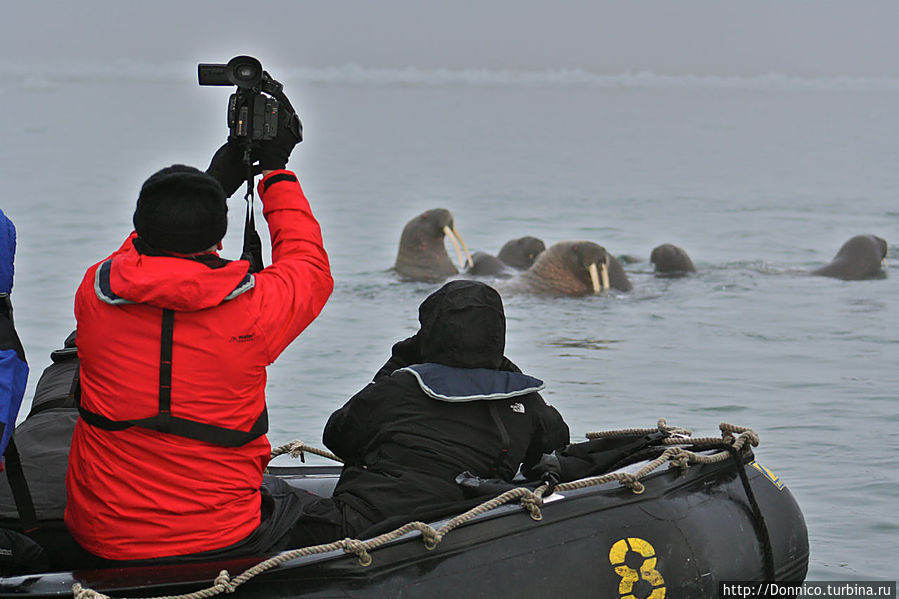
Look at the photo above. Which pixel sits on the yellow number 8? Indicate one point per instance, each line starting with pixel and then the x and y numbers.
pixel 646 572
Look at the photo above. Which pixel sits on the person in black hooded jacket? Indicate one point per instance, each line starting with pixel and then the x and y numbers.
pixel 446 402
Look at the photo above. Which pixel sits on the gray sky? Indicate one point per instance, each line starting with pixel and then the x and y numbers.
pixel 705 37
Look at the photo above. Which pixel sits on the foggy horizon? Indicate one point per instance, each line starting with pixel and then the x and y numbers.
pixel 691 37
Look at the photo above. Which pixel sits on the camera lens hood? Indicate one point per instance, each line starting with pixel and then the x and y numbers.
pixel 244 71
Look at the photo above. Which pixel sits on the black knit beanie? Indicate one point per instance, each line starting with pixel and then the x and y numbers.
pixel 181 209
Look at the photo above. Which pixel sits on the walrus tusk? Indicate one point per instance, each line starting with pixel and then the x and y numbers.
pixel 464 247
pixel 884 262
pixel 594 277
pixel 457 239
pixel 452 237
pixel 605 273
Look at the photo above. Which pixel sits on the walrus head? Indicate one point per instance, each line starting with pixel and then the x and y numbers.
pixel 422 255
pixel 861 257
pixel 576 268
pixel 487 265
pixel 520 253
pixel 670 260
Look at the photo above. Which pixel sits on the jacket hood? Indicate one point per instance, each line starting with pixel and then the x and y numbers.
pixel 183 284
pixel 463 325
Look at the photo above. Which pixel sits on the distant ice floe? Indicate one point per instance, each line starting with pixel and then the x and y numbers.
pixel 45 76
pixel 348 74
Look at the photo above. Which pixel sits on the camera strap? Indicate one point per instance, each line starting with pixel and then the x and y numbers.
pixel 252 244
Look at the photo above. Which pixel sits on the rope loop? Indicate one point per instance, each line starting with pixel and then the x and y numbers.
pixel 746 434
pixel 298 449
pixel 532 503
pixel 430 537
pixel 532 498
pixel 681 463
pixel 222 582
pixel 663 427
pixel 630 481
pixel 752 437
pixel 82 593
pixel 358 548
pixel 679 458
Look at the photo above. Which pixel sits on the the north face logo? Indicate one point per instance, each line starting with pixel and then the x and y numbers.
pixel 517 407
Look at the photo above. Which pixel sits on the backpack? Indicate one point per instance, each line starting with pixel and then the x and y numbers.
pixel 33 491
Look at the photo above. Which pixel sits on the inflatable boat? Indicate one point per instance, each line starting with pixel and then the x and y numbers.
pixel 640 531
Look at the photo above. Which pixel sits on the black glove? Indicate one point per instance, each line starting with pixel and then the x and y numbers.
pixel 227 167
pixel 273 153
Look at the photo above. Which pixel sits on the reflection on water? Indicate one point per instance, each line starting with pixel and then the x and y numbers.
pixel 866 305
pixel 582 343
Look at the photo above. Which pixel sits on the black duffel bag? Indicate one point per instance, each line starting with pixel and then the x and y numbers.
pixel 33 486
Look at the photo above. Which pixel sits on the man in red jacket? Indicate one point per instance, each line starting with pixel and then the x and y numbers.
pixel 168 455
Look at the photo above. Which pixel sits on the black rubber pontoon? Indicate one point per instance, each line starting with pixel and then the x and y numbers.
pixel 689 530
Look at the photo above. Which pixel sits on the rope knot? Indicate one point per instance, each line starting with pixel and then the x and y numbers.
pixel 663 427
pixel 681 463
pixel 357 547
pixel 431 538
pixel 297 449
pixel 82 593
pixel 532 503
pixel 679 458
pixel 630 481
pixel 728 430
pixel 222 582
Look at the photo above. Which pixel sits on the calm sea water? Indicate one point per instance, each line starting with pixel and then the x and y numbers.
pixel 759 180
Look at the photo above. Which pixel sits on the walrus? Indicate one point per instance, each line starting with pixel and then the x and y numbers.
pixel 862 257
pixel 670 260
pixel 574 268
pixel 488 265
pixel 522 252
pixel 515 255
pixel 422 255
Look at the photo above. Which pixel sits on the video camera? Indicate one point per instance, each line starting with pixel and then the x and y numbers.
pixel 252 116
pixel 258 112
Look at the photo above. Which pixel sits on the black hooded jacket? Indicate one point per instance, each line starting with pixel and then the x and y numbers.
pixel 447 401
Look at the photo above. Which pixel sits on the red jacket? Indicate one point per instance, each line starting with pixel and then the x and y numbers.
pixel 138 493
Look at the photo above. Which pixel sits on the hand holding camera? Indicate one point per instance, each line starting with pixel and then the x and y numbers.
pixel 273 154
pixel 263 125
pixel 228 168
